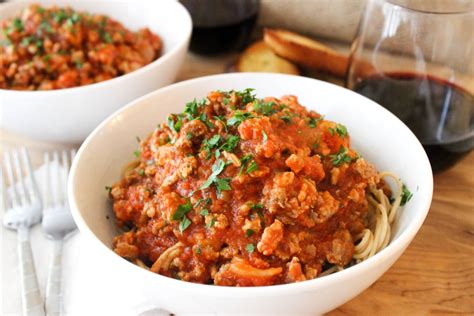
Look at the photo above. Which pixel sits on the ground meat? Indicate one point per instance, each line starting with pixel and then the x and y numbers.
pixel 240 191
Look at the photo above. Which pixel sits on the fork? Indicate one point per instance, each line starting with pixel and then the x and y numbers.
pixel 23 209
pixel 57 222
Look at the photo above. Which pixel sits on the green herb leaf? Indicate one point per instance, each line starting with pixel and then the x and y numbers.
pixel 252 167
pixel 198 250
pixel 230 143
pixel 191 109
pixel 249 232
pixel 109 189
pixel 211 222
pixel 189 135
pixel 202 201
pixel 265 108
pixel 313 122
pixel 181 211
pixel 221 119
pixel 264 136
pixel 141 172
pixel 341 157
pixel 223 184
pixel 204 212
pixel 246 96
pixel 250 248
pixel 286 119
pixel 136 153
pixel 217 168
pixel 18 24
pixel 225 101
pixel 183 224
pixel 406 195
pixel 239 117
pixel 175 125
pixel 203 118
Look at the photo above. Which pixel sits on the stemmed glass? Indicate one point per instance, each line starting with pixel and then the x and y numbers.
pixel 416 58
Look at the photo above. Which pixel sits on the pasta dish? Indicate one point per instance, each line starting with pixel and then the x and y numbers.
pixel 55 48
pixel 242 191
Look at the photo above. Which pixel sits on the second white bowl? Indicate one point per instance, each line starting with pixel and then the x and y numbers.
pixel 69 115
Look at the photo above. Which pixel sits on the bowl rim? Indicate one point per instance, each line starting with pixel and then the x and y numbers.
pixel 403 240
pixel 185 20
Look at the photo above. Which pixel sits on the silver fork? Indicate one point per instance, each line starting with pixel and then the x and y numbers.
pixel 23 209
pixel 57 222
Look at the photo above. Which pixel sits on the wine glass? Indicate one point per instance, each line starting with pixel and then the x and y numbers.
pixel 416 59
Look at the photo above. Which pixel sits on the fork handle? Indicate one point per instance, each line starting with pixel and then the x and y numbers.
pixel 32 302
pixel 53 286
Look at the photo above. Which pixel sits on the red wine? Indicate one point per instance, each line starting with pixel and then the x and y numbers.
pixel 221 25
pixel 440 113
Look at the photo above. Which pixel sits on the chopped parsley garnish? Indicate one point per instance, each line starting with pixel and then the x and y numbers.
pixel 225 101
pixel 313 122
pixel 221 119
pixel 27 40
pixel 286 119
pixel 265 108
pixel 211 222
pixel 211 143
pixel 252 167
pixel 256 206
pixel 175 125
pixel 202 201
pixel 198 250
pixel 180 215
pixel 264 136
pixel 340 129
pixel 246 96
pixel 406 195
pixel 18 24
pixel 181 211
pixel 191 109
pixel 250 248
pixel 222 184
pixel 141 172
pixel 106 37
pixel 230 143
pixel 78 63
pixel 60 16
pixel 203 118
pixel 249 232
pixel 136 153
pixel 183 224
pixel 204 212
pixel 47 57
pixel 239 117
pixel 340 157
pixel 244 161
pixel 189 135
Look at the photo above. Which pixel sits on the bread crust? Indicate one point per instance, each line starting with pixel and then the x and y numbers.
pixel 306 51
pixel 258 57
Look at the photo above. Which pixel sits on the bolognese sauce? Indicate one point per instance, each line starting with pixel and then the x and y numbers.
pixel 241 191
pixel 55 48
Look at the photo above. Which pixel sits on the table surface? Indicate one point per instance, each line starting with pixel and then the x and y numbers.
pixel 435 275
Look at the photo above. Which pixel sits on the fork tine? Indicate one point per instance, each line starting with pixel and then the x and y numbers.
pixel 65 170
pixel 3 193
pixel 46 182
pixel 58 192
pixel 20 178
pixel 31 187
pixel 14 199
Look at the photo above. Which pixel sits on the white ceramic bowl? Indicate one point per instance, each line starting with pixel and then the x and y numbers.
pixel 379 136
pixel 69 115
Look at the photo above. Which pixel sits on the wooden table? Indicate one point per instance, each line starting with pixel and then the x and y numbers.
pixel 435 276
